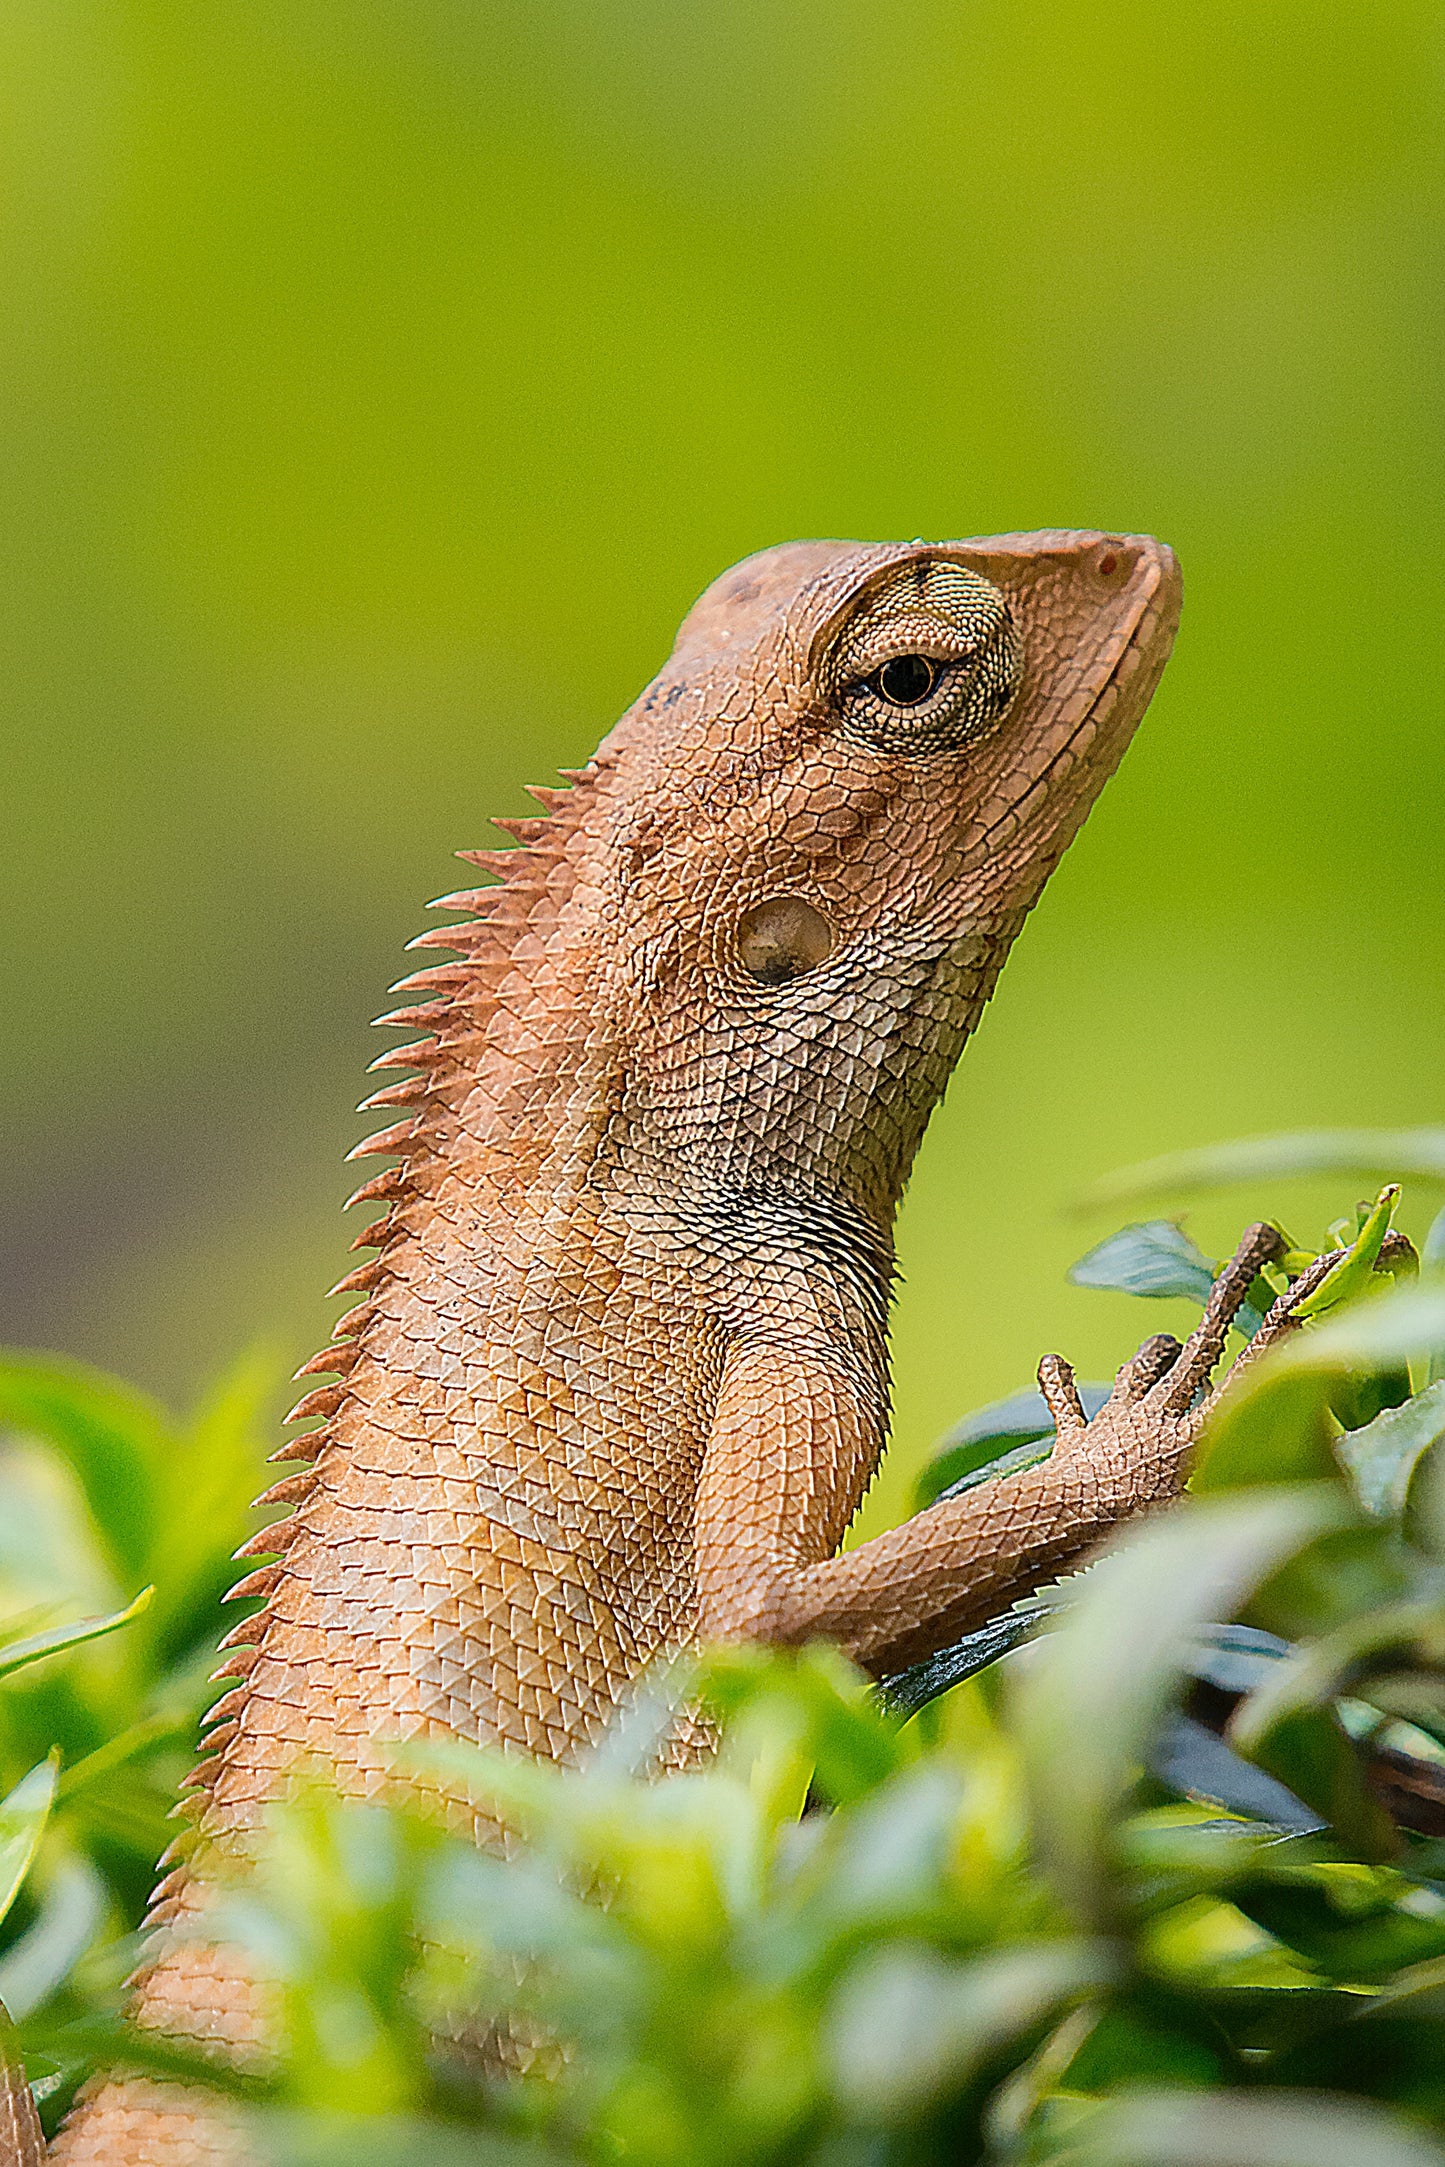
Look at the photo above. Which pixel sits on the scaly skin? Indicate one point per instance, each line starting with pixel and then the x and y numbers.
pixel 618 1378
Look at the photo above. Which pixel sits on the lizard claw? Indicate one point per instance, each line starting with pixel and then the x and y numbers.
pixel 1143 1370
pixel 1061 1395
pixel 1260 1244
pixel 1142 1436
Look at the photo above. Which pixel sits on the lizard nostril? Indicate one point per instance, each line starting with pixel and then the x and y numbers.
pixel 781 938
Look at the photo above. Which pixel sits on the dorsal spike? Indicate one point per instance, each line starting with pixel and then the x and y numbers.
pixel 351 1325
pixel 459 937
pixel 396 1138
pixel 419 1054
pixel 410 1093
pixel 337 1359
pixel 269 1542
pixel 306 1447
pixel 375 1236
pixel 257 1583
pixel 441 978
pixel 418 1017
pixel 530 828
pixel 500 862
pixel 238 1664
pixel 317 1405
pixel 290 1490
pixel 390 1183
pixel 465 899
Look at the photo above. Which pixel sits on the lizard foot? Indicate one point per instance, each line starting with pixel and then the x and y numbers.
pixel 1139 1443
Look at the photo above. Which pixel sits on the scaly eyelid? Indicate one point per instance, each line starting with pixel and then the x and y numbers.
pixel 946 657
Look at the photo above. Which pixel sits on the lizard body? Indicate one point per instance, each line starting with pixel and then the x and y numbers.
pixel 617 1379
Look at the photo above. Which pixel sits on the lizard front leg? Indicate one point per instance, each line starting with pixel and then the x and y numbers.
pixel 798 1429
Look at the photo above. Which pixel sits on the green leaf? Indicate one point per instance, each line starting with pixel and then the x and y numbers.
pixel 1244 2129
pixel 1095 1690
pixel 206 1501
pixel 1273 1425
pixel 906 1691
pixel 36 1646
pixel 116 1442
pixel 1378 1334
pixel 1157 1259
pixel 1382 1457
pixel 1357 1263
pixel 1150 2037
pixel 72 1911
pixel 1416 1154
pixel 23 1816
pixel 1322 1671
pixel 284 2138
pixel 1308 1751
pixel 906 2025
pixel 1154 1258
pixel 1336 1925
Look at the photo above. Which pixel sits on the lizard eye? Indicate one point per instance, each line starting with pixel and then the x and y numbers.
pixel 906 679
pixel 926 661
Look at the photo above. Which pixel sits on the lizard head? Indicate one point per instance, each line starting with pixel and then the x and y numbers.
pixel 832 810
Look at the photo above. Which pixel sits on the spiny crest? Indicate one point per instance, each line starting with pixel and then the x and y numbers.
pixel 450 1019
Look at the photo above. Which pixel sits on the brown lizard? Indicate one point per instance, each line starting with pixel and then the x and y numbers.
pixel 617 1377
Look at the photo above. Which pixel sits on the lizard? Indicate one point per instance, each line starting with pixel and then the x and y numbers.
pixel 616 1378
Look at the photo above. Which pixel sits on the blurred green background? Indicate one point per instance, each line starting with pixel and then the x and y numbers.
pixel 383 378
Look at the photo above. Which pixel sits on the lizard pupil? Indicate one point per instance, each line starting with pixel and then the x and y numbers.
pixel 904 680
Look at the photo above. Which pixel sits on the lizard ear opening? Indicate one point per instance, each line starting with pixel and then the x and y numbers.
pixel 782 937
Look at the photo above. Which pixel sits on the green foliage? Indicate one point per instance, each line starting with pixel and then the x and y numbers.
pixel 102 1495
pixel 1163 1888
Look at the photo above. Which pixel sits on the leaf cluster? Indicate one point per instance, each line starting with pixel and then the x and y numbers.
pixel 1164 1884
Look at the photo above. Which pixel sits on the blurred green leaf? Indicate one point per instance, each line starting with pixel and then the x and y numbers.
pixel 813 1705
pixel 1341 1929
pixel 906 2025
pixel 1414 1154
pixel 1273 1425
pixel 1156 1258
pixel 1095 1689
pixel 1307 1749
pixel 73 1907
pixel 1380 1333
pixel 35 1647
pixel 1323 1670
pixel 1383 1456
pixel 1148 2037
pixel 284 2138
pixel 1232 2129
pixel 204 1510
pixel 23 1816
pixel 115 1441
